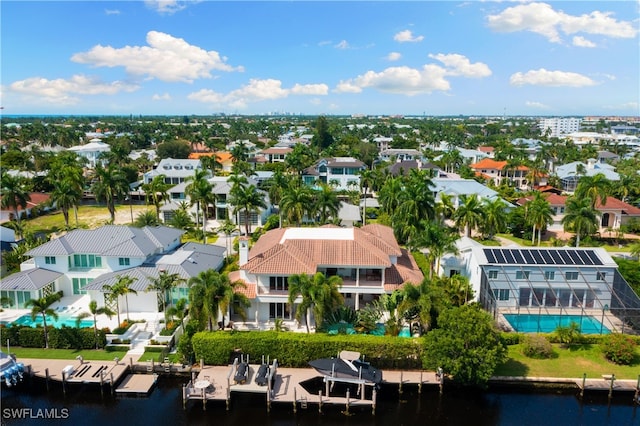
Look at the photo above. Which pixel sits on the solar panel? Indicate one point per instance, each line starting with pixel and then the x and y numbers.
pixel 537 257
pixel 489 254
pixel 556 258
pixel 547 258
pixel 565 257
pixel 584 257
pixel 577 260
pixel 508 256
pixel 594 258
pixel 499 256
pixel 528 258
pixel 518 257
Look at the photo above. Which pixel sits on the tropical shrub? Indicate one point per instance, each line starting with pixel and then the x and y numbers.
pixel 619 349
pixel 569 334
pixel 537 346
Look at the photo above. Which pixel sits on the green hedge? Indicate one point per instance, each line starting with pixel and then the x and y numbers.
pixel 587 339
pixel 117 348
pixel 59 338
pixel 297 349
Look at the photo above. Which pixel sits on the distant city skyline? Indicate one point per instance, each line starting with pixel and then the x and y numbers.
pixel 168 57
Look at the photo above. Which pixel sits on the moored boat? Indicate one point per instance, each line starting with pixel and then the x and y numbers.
pixel 347 366
pixel 11 372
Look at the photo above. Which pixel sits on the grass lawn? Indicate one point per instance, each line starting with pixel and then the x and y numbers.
pixel 573 362
pixel 88 354
pixel 155 356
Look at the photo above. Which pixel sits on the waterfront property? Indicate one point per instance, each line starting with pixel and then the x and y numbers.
pixel 583 282
pixel 368 259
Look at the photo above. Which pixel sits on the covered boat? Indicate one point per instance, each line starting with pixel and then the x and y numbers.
pixel 347 366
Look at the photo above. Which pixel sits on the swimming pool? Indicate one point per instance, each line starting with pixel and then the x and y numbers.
pixel 66 320
pixel 533 323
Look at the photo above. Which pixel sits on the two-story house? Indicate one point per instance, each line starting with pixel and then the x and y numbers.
pixel 175 171
pixel 498 171
pixel 368 260
pixel 340 172
pixel 74 260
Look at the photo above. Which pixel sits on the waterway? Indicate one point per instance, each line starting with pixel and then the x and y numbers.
pixel 30 403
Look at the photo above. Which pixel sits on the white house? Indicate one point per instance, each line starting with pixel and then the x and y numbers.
pixel 91 151
pixel 175 171
pixel 342 172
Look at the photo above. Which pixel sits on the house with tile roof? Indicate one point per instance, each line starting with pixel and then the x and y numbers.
pixel 71 262
pixel 613 213
pixel 571 173
pixel 368 259
pixel 499 171
pixel 36 200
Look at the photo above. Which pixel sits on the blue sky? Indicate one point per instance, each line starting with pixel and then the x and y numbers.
pixel 410 58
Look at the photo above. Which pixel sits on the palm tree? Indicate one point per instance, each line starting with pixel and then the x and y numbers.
pixel 211 293
pixel 163 286
pixel 296 202
pixel 366 182
pixel 445 207
pixel 580 217
pixel 14 194
pixel 227 228
pixel 468 215
pixel 145 218
pixel 179 310
pixel 95 311
pixel 110 184
pixel 439 240
pixel 249 199
pixel 494 218
pixel 65 195
pixel 596 187
pixel 156 192
pixel 420 302
pixel 389 194
pixel 122 287
pixel 319 294
pixel 635 249
pixel 326 203
pixel 538 214
pixel 200 192
pixel 42 307
pixel 417 203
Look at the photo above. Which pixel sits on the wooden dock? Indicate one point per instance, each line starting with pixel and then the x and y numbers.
pixel 287 387
pixel 77 371
pixel 139 384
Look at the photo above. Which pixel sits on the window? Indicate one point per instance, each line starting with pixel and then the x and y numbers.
pixel 87 261
pixel 600 276
pixel 279 283
pixel 522 275
pixel 493 275
pixel 279 310
pixel 549 275
pixel 571 276
pixel 50 260
pixel 79 283
pixel 123 261
pixel 501 293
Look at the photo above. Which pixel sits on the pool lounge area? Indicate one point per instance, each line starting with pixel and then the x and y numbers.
pixel 548 323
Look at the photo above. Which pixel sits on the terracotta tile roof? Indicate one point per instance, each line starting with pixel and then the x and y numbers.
pixel 488 163
pixel 405 270
pixel 615 204
pixel 552 198
pixel 251 290
pixel 221 155
pixel 37 198
pixel 486 149
pixel 277 150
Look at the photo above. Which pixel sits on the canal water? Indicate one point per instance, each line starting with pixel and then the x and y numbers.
pixel 31 404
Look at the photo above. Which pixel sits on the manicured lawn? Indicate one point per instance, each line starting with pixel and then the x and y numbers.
pixel 88 354
pixel 572 362
pixel 155 356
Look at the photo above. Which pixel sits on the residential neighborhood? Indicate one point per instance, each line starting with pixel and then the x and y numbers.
pixel 289 226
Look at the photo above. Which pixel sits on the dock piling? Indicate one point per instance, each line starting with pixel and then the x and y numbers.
pixel 204 400
pixel 636 395
pixel 184 397
pixel 295 400
pixel 228 392
pixel 101 384
pixel 46 375
pixel 112 384
pixel 320 401
pixel 373 402
pixel 64 383
pixel 584 380
pixel 420 384
pixel 613 377
pixel 347 413
pixel 400 386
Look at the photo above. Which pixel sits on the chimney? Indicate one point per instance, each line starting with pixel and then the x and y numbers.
pixel 243 250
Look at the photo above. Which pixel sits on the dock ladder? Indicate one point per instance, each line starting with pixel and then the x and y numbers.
pixel 303 402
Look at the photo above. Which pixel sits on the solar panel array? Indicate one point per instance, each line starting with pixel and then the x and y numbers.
pixel 512 256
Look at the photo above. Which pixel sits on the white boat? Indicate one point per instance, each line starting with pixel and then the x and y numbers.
pixel 11 372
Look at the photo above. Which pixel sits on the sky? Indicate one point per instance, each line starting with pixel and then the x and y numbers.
pixel 170 57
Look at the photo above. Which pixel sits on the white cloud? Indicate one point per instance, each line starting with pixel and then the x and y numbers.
pixel 537 105
pixel 630 106
pixel 342 45
pixel 65 91
pixel 582 42
pixel 543 77
pixel 407 36
pixel 166 6
pixel 400 80
pixel 166 58
pixel 393 56
pixel 163 97
pixel 542 19
pixel 255 91
pixel 460 65
pixel 112 12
